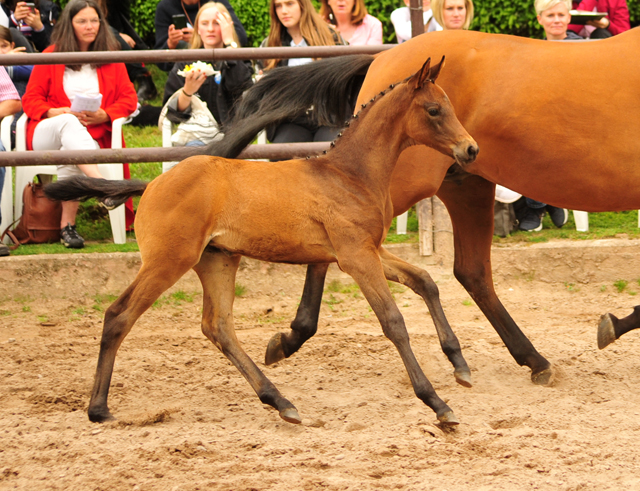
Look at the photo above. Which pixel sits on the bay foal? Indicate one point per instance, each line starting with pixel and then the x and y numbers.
pixel 207 212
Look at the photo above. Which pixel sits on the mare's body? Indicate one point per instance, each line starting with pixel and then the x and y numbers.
pixel 558 122
pixel 207 212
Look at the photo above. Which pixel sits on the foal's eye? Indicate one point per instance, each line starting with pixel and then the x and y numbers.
pixel 433 111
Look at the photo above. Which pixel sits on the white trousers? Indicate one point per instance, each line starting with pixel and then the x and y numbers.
pixel 63 132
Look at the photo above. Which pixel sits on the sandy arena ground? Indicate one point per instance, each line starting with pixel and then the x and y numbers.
pixel 187 420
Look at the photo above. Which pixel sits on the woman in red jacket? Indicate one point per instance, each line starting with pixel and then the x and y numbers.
pixel 52 88
pixel 616 21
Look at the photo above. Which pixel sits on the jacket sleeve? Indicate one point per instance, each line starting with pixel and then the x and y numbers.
pixel 125 101
pixel 35 101
pixel 619 17
pixel 174 82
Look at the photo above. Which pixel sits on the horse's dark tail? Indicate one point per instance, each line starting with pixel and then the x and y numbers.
pixel 81 188
pixel 330 86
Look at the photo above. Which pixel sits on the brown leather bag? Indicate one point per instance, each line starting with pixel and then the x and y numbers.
pixel 40 220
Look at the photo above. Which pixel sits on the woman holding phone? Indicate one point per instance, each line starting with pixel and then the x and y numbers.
pixel 52 89
pixel 33 19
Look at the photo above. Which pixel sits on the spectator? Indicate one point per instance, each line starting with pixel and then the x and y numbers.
pixel 352 21
pixel 167 36
pixel 401 20
pixel 295 23
pixel 554 17
pixel 453 14
pixel 616 21
pixel 19 74
pixel 51 91
pixel 214 30
pixel 9 104
pixel 117 15
pixel 36 24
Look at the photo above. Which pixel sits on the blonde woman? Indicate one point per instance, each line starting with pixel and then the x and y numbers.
pixel 453 14
pixel 352 20
pixel 214 30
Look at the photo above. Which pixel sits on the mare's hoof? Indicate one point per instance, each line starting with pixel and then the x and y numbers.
pixel 448 419
pixel 463 377
pixel 606 331
pixel 290 415
pixel 543 377
pixel 274 353
pixel 100 416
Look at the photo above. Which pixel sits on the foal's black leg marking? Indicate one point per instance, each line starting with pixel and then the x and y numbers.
pixel 305 324
pixel 611 328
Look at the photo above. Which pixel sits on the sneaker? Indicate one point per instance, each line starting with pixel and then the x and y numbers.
pixel 4 250
pixel 531 220
pixel 559 216
pixel 70 238
pixel 112 203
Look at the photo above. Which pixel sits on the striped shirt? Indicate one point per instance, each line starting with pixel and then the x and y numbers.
pixel 7 89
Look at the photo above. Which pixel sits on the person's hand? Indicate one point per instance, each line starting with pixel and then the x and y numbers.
pixel 56 111
pixel 30 17
pixel 88 117
pixel 227 28
pixel 128 39
pixel 175 36
pixel 193 80
pixel 600 23
pixel 187 33
pixel 17 49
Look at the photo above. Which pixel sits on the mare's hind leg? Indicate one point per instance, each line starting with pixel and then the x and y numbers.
pixel 470 204
pixel 217 272
pixel 395 269
pixel 305 324
pixel 152 280
pixel 611 328
pixel 366 269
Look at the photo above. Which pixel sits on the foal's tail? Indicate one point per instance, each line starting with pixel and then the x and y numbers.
pixel 330 86
pixel 81 188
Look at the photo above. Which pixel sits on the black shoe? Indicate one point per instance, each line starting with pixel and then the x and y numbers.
pixel 531 220
pixel 559 216
pixel 4 250
pixel 70 238
pixel 112 203
pixel 146 88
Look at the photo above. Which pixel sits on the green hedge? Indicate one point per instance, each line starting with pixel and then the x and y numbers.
pixel 515 17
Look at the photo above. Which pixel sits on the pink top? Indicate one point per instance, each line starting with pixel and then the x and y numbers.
pixel 7 89
pixel 368 32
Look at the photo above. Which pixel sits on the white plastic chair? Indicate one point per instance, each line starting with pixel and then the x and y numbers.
pixel 25 174
pixel 6 205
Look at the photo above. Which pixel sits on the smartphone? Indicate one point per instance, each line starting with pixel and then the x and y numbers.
pixel 179 21
pixel 32 6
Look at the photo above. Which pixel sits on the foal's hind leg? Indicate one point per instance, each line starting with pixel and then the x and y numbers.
pixel 395 269
pixel 470 204
pixel 151 281
pixel 305 324
pixel 366 269
pixel 611 328
pixel 217 272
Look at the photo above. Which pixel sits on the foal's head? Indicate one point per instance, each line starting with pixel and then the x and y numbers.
pixel 431 119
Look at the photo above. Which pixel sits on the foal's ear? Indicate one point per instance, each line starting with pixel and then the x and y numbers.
pixel 419 78
pixel 435 70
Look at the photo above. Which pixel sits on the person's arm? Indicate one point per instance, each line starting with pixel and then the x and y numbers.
pixel 10 100
pixel 401 23
pixel 126 100
pixel 9 107
pixel 242 35
pixel 619 17
pixel 35 99
pixel 162 22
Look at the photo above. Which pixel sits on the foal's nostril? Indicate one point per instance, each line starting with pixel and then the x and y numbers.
pixel 472 151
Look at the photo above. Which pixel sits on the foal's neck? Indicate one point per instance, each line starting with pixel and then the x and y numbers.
pixel 370 145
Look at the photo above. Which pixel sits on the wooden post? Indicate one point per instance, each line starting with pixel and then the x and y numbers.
pixel 442 229
pixel 424 211
pixel 417 20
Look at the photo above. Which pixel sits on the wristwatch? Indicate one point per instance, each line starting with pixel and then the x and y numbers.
pixel 232 44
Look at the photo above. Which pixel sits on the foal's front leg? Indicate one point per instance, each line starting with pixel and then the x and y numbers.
pixel 366 269
pixel 217 272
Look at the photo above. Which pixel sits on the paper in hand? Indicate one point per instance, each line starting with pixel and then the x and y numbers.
pixel 89 103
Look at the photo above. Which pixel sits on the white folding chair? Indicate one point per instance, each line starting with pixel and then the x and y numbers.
pixel 26 174
pixel 6 204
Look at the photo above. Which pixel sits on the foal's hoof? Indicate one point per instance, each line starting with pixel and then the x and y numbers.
pixel 448 419
pixel 606 331
pixel 463 377
pixel 290 415
pixel 274 353
pixel 100 416
pixel 543 377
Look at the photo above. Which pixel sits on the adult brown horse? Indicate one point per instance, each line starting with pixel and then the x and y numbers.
pixel 208 212
pixel 558 122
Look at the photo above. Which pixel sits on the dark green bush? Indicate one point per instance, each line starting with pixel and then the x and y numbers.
pixel 515 17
